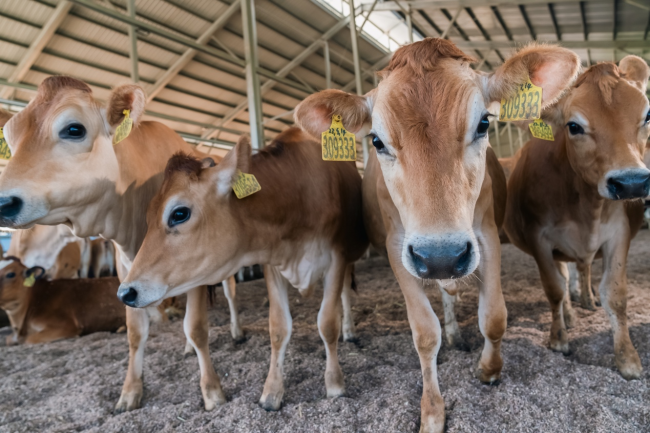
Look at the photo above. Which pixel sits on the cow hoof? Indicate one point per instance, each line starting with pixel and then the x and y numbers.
pixel 271 402
pixel 570 318
pixel 458 343
pixel 335 392
pixel 432 425
pixel 575 296
pixel 588 304
pixel 239 340
pixel 128 402
pixel 350 338
pixel 237 334
pixel 487 377
pixel 560 346
pixel 630 367
pixel 213 398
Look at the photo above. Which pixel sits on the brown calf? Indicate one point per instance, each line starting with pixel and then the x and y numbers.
pixel 579 196
pixel 428 192
pixel 53 310
pixel 304 224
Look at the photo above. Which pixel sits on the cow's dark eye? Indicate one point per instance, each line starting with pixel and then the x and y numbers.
pixel 647 117
pixel 11 275
pixel 74 131
pixel 179 216
pixel 379 145
pixel 575 129
pixel 483 126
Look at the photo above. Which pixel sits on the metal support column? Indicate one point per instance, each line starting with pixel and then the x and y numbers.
pixel 498 137
pixel 512 150
pixel 409 24
pixel 357 69
pixel 133 37
pixel 252 79
pixel 328 65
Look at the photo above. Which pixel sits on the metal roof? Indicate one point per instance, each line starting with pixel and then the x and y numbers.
pixel 203 94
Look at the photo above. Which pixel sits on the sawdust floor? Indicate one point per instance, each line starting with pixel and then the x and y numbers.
pixel 73 385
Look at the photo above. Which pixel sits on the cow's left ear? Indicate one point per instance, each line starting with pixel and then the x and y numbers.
pixel 549 67
pixel 37 271
pixel 126 97
pixel 238 159
pixel 636 71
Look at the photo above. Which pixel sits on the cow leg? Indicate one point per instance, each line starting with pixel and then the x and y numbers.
pixel 426 331
pixel 567 308
pixel 613 292
pixel 58 332
pixel 137 328
pixel 574 282
pixel 280 332
pixel 492 313
pixel 329 326
pixel 452 330
pixel 195 326
pixel 229 290
pixel 349 332
pixel 554 287
pixel 586 296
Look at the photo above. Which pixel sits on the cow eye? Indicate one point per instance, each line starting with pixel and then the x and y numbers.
pixel 575 129
pixel 647 117
pixel 179 216
pixel 483 126
pixel 74 131
pixel 379 145
pixel 11 275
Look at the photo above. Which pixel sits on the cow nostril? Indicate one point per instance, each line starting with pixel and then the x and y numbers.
pixel 10 206
pixel 615 186
pixel 129 297
pixel 464 258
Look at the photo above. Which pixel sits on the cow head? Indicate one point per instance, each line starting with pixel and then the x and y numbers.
pixel 194 211
pixel 62 153
pixel 13 293
pixel 606 122
pixel 428 121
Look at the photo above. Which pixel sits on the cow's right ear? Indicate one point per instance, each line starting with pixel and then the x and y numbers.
pixel 314 114
pixel 126 97
pixel 238 159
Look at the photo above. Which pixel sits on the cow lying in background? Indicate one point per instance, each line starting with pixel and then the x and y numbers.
pixel 53 310
pixel 580 196
pixel 428 189
pixel 305 223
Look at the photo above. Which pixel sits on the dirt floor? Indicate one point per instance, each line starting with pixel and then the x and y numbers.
pixel 73 385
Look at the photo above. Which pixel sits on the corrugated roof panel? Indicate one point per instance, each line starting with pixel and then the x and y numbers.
pixel 17 31
pixel 30 11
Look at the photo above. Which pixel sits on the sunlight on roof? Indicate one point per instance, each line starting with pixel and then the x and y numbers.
pixel 385 27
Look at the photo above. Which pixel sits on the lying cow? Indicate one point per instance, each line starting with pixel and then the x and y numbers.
pixel 66 169
pixel 580 196
pixel 428 190
pixel 305 223
pixel 41 311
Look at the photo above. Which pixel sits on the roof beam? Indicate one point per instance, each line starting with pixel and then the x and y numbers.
pixel 502 23
pixel 615 18
pixel 551 11
pixel 188 55
pixel 451 4
pixel 583 20
pixel 185 41
pixel 524 15
pixel 495 45
pixel 36 47
pixel 266 87
pixel 368 72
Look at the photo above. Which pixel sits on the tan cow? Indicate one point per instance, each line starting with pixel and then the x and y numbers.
pixel 65 169
pixel 305 223
pixel 52 310
pixel 428 196
pixel 579 196
pixel 54 248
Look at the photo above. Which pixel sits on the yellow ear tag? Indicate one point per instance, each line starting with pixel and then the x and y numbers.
pixel 541 129
pixel 29 281
pixel 525 105
pixel 124 128
pixel 338 143
pixel 5 152
pixel 245 185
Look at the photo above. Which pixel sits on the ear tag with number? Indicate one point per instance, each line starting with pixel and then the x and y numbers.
pixel 124 128
pixel 338 143
pixel 525 105
pixel 29 281
pixel 5 152
pixel 245 184
pixel 542 130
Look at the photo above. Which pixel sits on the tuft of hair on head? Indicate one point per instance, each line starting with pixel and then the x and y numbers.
pixel 184 163
pixel 605 76
pixel 424 56
pixel 51 86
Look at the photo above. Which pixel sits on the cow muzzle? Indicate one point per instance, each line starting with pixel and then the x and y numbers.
pixel 440 258
pixel 628 184
pixel 10 208
pixel 138 295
